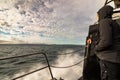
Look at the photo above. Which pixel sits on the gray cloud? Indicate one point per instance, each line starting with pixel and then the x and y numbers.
pixel 34 5
pixel 66 19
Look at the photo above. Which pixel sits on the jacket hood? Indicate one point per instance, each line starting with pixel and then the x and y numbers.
pixel 105 12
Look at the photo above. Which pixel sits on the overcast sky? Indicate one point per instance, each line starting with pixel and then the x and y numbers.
pixel 47 21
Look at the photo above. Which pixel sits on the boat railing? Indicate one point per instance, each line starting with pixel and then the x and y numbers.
pixel 47 61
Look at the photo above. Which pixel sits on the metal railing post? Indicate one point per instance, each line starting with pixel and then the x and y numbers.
pixel 49 66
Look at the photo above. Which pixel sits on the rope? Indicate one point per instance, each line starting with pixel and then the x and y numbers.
pixel 30 73
pixel 50 66
pixel 70 65
pixel 46 67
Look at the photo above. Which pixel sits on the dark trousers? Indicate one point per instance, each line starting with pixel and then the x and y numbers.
pixel 91 69
pixel 109 70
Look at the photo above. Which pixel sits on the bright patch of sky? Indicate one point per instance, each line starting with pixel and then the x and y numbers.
pixel 47 21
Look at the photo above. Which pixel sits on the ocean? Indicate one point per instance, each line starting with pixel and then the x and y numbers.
pixel 61 56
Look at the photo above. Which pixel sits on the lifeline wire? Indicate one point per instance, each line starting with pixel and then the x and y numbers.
pixel 70 65
pixel 30 73
pixel 36 54
pixel 46 66
pixel 20 56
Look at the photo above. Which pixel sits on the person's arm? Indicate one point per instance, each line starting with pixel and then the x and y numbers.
pixel 105 30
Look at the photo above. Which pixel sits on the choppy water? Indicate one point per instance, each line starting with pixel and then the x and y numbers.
pixel 14 67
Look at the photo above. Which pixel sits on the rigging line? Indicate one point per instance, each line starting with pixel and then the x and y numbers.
pixel 20 56
pixel 71 65
pixel 105 2
pixel 108 1
pixel 30 73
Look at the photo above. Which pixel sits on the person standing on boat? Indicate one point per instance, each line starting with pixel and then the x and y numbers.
pixel 108 47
